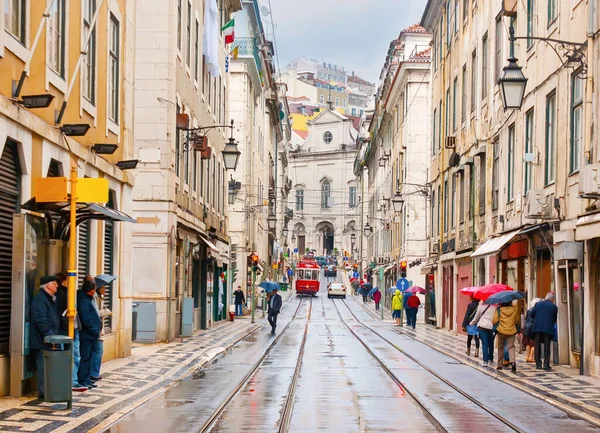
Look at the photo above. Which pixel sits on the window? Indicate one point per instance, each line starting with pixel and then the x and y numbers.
pixel 207 195
pixel 448 22
pixel 337 102
pixel 473 80
pixel 435 138
pixel 454 97
pixel 465 10
pixel 445 205
pixel 113 69
pixel 327 137
pixel 56 37
pixel 439 141
pixel 322 99
pixel 530 22
pixel 499 61
pixel 482 183
pixel 196 51
pixel 552 11
pixel 495 174
pixel 299 199
pixel 461 193
pixel 484 66
pixel 513 24
pixel 89 60
pixel 447 122
pixel 439 206
pixel 456 16
pixel 529 134
pixel 463 95
pixel 179 25
pixel 576 122
pixel 510 185
pixel 433 213
pixel 186 167
pixel 352 196
pixel 471 190
pixel 189 34
pixel 453 203
pixel 177 144
pixel 214 176
pixel 435 54
pixel 325 194
pixel 194 170
pixel 550 171
pixel 204 67
pixel 15 18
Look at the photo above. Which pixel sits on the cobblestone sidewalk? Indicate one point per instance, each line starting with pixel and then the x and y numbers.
pixel 562 386
pixel 126 383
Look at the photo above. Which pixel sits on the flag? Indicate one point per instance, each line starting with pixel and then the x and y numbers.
pixel 235 52
pixel 228 31
pixel 226 64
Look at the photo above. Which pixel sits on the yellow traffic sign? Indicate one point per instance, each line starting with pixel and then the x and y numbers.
pixel 51 189
pixel 92 190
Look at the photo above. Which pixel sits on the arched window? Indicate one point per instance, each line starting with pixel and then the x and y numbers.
pixel 325 194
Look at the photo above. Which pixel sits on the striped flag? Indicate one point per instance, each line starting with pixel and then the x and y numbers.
pixel 228 31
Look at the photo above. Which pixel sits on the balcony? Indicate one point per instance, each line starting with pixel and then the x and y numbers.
pixel 248 53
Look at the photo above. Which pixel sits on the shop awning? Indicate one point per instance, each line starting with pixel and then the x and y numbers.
pixel 587 227
pixel 494 245
pixel 210 245
pixel 60 212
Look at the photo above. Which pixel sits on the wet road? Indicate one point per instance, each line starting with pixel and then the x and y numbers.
pixel 333 368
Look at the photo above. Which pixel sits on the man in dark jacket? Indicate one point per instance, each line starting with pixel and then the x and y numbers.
pixel 274 308
pixel 544 315
pixel 44 322
pixel 89 332
pixel 239 300
pixel 471 331
pixel 61 303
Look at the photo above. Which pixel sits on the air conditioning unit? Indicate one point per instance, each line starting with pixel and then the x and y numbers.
pixel 589 181
pixel 536 204
pixel 450 142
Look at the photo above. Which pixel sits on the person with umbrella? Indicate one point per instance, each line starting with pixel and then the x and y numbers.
pixel 376 298
pixel 506 317
pixel 274 302
pixel 397 306
pixel 471 330
pixel 483 321
pixel 412 308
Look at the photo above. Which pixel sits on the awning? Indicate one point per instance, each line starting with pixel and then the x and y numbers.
pixel 588 227
pixel 60 212
pixel 494 245
pixel 210 245
pixel 541 227
pixel 389 268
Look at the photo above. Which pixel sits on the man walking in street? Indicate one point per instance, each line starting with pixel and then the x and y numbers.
pixel 239 301
pixel 274 308
pixel 45 321
pixel 412 308
pixel 544 315
pixel 89 332
pixel 290 276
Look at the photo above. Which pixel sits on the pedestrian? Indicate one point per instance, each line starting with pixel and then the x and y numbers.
pixel 507 318
pixel 544 315
pixel 45 321
pixel 528 334
pixel 89 332
pixel 397 307
pixel 412 308
pixel 239 301
pixel 364 291
pixel 471 330
pixel 98 349
pixel 274 309
pixel 377 298
pixel 483 321
pixel 290 276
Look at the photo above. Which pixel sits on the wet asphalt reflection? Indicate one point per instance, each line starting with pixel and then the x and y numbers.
pixel 341 387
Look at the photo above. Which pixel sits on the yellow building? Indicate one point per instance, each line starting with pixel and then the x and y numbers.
pixel 81 89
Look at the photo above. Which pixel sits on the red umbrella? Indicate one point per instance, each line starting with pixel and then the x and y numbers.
pixel 416 289
pixel 488 290
pixel 469 291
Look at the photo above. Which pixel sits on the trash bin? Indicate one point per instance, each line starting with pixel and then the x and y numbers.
pixel 58 370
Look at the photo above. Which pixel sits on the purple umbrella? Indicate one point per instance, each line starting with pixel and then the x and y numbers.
pixel 416 289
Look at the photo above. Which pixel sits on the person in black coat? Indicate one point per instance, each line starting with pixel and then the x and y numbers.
pixel 45 321
pixel 61 303
pixel 89 332
pixel 274 309
pixel 239 301
pixel 544 315
pixel 471 330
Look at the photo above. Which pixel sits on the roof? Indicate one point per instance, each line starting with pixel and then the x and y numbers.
pixel 310 109
pixel 422 56
pixel 414 29
pixel 355 121
pixel 356 79
pixel 300 133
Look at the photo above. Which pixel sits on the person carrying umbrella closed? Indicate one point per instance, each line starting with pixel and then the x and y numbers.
pixel 507 317
pixel 397 306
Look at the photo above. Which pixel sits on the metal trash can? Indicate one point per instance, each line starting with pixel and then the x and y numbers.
pixel 58 370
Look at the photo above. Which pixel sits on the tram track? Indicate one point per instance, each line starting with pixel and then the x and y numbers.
pixel 428 413
pixel 286 413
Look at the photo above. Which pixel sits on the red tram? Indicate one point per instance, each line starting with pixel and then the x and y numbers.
pixel 308 275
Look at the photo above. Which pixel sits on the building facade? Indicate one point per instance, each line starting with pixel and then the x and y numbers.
pixel 181 125
pixel 508 203
pixel 324 196
pixel 36 144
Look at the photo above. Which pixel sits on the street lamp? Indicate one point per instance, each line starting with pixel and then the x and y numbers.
pixel 284 232
pixel 398 202
pixel 293 238
pixel 231 153
pixel 368 230
pixel 352 237
pixel 272 221
pixel 512 85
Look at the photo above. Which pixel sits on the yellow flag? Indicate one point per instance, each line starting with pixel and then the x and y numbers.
pixel 235 52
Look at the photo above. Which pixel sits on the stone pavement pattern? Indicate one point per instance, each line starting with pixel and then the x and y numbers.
pixel 562 386
pixel 126 383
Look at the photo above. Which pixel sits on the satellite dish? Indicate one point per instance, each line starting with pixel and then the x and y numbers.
pixel 264 11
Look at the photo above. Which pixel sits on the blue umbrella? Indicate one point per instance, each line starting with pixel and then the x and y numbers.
pixel 504 297
pixel 104 280
pixel 269 286
pixel 392 290
pixel 373 290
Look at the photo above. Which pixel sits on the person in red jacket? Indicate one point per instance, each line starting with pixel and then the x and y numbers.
pixel 412 308
pixel 377 298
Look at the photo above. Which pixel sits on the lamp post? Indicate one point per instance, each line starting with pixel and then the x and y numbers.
pixel 398 202
pixel 512 85
pixel 368 230
pixel 352 240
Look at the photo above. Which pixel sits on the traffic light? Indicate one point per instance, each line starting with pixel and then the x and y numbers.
pixel 254 259
pixel 402 269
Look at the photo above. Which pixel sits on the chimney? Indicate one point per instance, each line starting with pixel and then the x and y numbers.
pixel 352 74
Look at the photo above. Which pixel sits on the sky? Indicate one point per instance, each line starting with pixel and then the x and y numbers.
pixel 355 34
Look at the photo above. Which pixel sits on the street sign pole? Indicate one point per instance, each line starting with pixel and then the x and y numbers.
pixel 252 305
pixel 72 254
